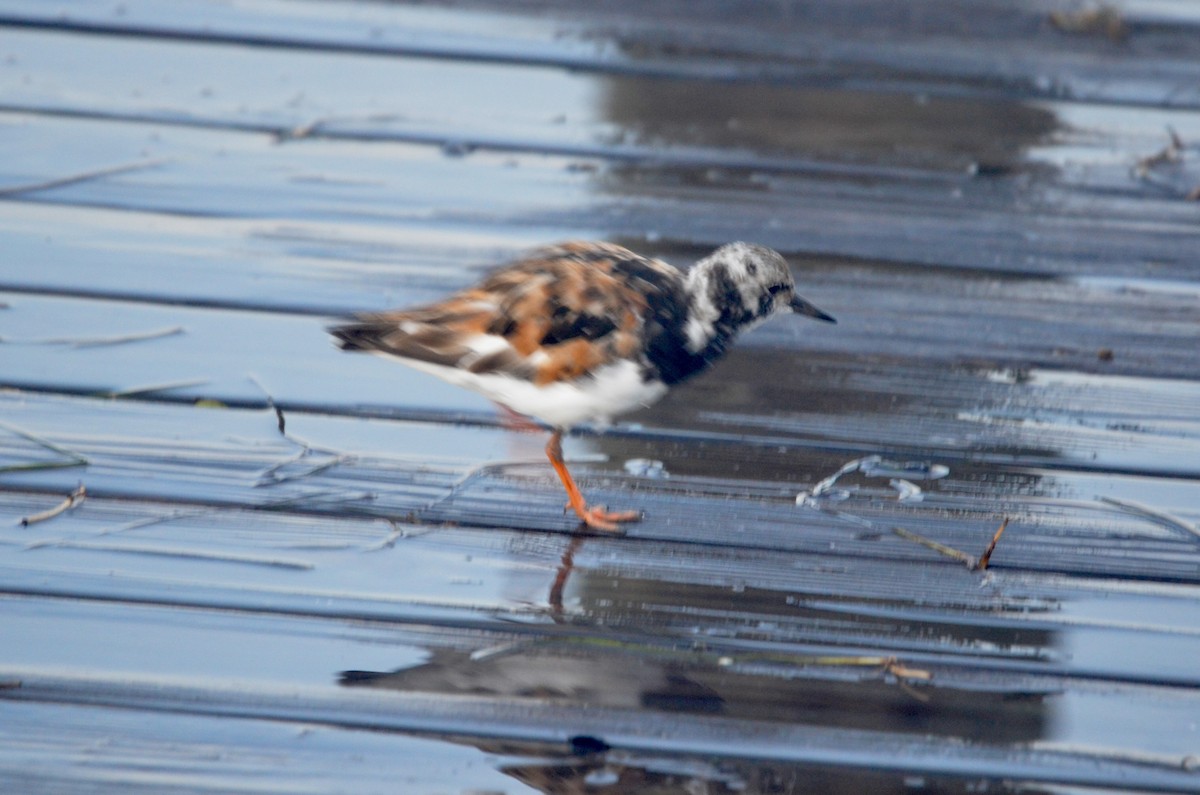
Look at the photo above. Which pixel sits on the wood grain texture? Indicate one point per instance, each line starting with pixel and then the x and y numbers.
pixel 299 570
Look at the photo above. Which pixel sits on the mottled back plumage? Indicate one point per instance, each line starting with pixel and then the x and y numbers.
pixel 558 314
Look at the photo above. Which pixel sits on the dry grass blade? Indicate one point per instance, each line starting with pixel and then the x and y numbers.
pixel 395 535
pixel 96 342
pixel 121 339
pixel 72 459
pixel 182 553
pixel 1103 20
pixel 889 665
pixel 73 499
pixel 936 546
pixel 273 476
pixel 153 520
pixel 282 423
pixel 1153 514
pixel 149 389
pixel 1170 154
pixel 894 667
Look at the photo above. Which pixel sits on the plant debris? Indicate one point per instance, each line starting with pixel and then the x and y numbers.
pixel 70 459
pixel 973 563
pixel 73 499
pixel 1102 20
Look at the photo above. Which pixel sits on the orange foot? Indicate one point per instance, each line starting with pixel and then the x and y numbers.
pixel 601 519
pixel 594 518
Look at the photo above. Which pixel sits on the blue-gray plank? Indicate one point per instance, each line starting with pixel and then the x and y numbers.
pixel 294 569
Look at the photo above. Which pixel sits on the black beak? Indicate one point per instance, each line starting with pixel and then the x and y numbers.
pixel 802 307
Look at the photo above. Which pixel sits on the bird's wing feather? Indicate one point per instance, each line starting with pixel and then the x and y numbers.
pixel 558 314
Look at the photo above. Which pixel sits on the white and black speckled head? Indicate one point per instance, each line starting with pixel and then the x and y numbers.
pixel 737 287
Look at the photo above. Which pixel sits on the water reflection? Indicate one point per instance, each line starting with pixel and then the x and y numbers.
pixel 565 567
pixel 693 686
pixel 774 119
pixel 619 773
pixel 764 677
pixel 630 644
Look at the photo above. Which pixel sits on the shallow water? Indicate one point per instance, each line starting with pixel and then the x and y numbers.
pixel 1009 255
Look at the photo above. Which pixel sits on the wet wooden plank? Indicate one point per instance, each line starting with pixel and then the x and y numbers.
pixel 984 223
pixel 1001 229
pixel 64 748
pixel 981 412
pixel 346 467
pixel 549 724
pixel 1037 51
pixel 999 222
pixel 749 679
pixel 760 607
pixel 732 670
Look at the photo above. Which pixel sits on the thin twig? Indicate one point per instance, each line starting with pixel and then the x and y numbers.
pixel 973 563
pixel 73 499
pixel 893 666
pixel 270 475
pixel 86 176
pixel 121 339
pixel 306 448
pixel 477 471
pixel 986 557
pixel 397 533
pixel 279 418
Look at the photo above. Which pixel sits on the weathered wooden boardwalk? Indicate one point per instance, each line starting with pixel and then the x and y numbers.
pixel 301 571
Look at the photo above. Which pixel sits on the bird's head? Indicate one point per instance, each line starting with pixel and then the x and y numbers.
pixel 742 284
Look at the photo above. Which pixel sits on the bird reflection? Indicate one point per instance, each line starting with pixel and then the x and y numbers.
pixel 565 567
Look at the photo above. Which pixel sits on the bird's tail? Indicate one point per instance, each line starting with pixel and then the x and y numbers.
pixel 355 336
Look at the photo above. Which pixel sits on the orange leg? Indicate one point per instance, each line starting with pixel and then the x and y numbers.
pixel 595 518
pixel 513 421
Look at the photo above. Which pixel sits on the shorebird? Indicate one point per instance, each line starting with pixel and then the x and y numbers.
pixel 585 331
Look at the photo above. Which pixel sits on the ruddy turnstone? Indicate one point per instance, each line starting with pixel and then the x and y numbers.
pixel 585 331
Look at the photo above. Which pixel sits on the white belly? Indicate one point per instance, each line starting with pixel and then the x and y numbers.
pixel 614 389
